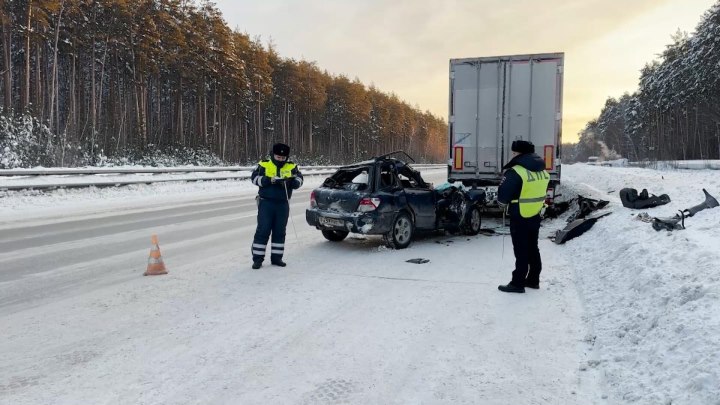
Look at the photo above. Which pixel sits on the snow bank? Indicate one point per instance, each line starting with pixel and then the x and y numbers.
pixel 652 298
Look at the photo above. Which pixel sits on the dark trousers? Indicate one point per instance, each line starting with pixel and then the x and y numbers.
pixel 272 219
pixel 524 233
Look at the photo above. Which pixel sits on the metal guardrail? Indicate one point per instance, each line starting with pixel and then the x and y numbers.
pixel 312 170
pixel 159 170
pixel 117 183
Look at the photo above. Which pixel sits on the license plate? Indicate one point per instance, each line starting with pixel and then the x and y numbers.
pixel 331 222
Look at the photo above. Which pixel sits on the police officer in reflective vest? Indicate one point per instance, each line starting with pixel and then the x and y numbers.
pixel 523 190
pixel 277 178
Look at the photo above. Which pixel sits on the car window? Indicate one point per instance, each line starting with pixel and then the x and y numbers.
pixel 411 178
pixel 354 179
pixel 388 178
pixel 361 178
pixel 406 182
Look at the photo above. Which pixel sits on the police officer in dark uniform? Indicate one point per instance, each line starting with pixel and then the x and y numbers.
pixel 523 189
pixel 277 178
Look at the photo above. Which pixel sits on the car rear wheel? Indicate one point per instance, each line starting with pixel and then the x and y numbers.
pixel 401 233
pixel 334 236
pixel 473 220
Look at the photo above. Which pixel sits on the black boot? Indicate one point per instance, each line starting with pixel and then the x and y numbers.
pixel 511 288
pixel 533 285
pixel 278 262
pixel 256 265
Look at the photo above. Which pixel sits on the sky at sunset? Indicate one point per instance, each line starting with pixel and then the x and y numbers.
pixel 404 46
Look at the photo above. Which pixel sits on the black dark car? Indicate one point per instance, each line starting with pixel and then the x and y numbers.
pixel 387 196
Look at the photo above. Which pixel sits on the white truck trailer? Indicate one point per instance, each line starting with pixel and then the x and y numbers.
pixel 496 100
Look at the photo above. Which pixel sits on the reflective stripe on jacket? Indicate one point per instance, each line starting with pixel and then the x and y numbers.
pixel 533 192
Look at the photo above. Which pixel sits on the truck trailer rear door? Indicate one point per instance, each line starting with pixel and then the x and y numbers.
pixel 496 100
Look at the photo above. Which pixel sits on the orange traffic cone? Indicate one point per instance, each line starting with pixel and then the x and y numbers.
pixel 155 266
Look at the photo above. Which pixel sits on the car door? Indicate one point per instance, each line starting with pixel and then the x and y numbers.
pixel 408 193
pixel 422 201
pixel 389 187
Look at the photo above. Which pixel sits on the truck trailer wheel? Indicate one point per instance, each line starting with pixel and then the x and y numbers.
pixel 401 233
pixel 334 236
pixel 473 220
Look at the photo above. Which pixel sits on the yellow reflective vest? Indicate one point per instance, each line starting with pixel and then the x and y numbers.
pixel 272 171
pixel 533 192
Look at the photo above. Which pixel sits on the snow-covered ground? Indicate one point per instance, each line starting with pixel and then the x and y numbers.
pixel 651 298
pixel 625 314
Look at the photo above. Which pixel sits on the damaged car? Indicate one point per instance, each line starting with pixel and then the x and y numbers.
pixel 387 196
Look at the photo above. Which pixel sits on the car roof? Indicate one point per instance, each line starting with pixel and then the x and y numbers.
pixel 373 161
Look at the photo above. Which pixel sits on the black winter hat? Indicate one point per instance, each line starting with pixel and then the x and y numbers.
pixel 521 146
pixel 281 149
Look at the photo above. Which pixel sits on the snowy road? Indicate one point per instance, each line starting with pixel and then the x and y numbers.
pixel 45 262
pixel 348 322
pixel 343 323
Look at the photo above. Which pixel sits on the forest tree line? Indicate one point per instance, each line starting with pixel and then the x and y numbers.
pixel 674 114
pixel 104 77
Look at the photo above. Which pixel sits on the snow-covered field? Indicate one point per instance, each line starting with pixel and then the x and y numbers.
pixel 625 314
